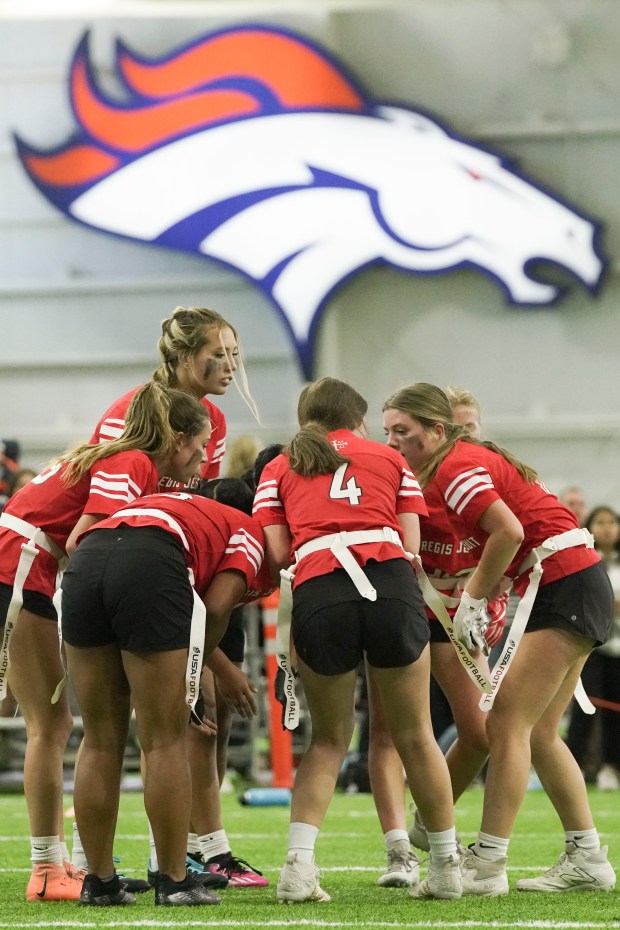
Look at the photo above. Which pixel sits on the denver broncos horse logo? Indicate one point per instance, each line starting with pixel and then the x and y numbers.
pixel 251 146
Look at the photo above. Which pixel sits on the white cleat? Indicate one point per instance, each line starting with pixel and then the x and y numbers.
pixel 403 869
pixel 298 882
pixel 443 880
pixel 418 836
pixel 483 876
pixel 576 870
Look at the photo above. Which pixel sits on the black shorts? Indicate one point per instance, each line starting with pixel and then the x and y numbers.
pixel 581 603
pixel 129 586
pixel 232 642
pixel 438 634
pixel 333 625
pixel 34 602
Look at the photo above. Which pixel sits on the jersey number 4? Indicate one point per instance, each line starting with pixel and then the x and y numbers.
pixel 340 490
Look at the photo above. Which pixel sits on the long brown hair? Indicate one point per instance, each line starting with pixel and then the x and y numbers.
pixel 156 416
pixel 429 405
pixel 324 406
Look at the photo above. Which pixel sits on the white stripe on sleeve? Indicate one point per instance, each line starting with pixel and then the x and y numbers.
pixel 111 429
pixel 409 487
pixel 465 486
pixel 243 542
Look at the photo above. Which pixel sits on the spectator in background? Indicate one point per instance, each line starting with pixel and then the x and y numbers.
pixel 601 673
pixel 21 478
pixel 9 458
pixel 573 498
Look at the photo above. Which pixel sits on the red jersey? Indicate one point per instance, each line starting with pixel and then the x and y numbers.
pixel 365 494
pixel 471 478
pixel 112 424
pixel 214 537
pixel 54 507
pixel 446 554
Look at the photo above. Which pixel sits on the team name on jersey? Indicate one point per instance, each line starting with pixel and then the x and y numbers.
pixel 430 545
pixel 439 548
pixel 466 545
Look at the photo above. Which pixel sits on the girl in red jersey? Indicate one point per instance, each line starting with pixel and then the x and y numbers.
pixel 448 562
pixel 490 497
pixel 135 635
pixel 200 355
pixel 348 509
pixel 165 434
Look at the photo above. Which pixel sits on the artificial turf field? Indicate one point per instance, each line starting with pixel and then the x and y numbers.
pixel 350 853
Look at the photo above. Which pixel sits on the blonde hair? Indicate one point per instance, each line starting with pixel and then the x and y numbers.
pixel 240 456
pixel 429 405
pixel 184 334
pixel 459 397
pixel 155 418
pixel 324 406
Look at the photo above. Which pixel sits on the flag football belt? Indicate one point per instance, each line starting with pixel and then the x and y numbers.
pixel 36 539
pixel 198 621
pixel 438 602
pixel 338 544
pixel 533 564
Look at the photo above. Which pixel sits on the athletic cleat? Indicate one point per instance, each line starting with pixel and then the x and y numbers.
pixel 298 882
pixel 104 894
pixel 418 836
pixel 443 880
pixel 187 893
pixel 576 870
pixel 403 869
pixel 50 882
pixel 73 871
pixel 197 866
pixel 240 874
pixel 483 876
pixel 133 885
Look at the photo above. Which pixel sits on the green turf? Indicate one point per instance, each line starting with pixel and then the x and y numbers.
pixel 349 851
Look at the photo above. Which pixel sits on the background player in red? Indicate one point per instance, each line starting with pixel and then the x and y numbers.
pixel 165 434
pixel 129 618
pixel 489 495
pixel 447 563
pixel 354 595
pixel 200 355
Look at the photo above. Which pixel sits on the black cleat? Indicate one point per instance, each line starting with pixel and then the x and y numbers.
pixel 104 894
pixel 186 893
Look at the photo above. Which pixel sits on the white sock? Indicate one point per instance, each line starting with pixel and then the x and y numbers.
pixel 193 846
pixel 65 852
pixel 78 856
pixel 153 863
pixel 394 836
pixel 584 839
pixel 490 847
pixel 45 849
pixel 214 844
pixel 442 844
pixel 301 840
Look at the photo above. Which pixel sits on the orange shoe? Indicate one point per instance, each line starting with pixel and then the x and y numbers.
pixel 73 871
pixel 50 882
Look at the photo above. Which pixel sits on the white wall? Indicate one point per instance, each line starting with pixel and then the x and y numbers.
pixel 538 80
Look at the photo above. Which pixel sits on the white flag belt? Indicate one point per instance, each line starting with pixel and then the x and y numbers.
pixel 533 564
pixel 35 539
